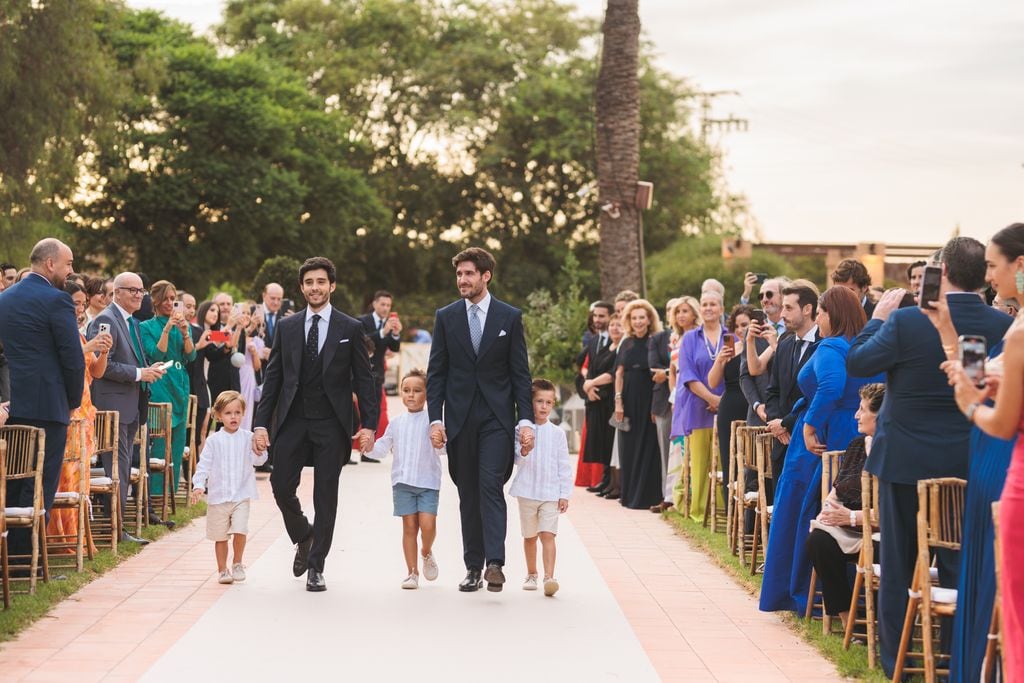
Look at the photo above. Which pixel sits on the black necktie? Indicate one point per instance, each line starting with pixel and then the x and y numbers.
pixel 380 325
pixel 313 339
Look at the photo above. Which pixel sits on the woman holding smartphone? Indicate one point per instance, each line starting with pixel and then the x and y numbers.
pixel 166 337
pixel 727 369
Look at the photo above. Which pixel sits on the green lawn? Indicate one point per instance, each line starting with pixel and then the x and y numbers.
pixel 26 609
pixel 852 662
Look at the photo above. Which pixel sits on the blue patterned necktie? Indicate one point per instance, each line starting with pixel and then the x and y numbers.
pixel 475 332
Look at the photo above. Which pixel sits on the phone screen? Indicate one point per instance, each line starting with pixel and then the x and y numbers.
pixel 972 357
pixel 930 284
pixel 759 278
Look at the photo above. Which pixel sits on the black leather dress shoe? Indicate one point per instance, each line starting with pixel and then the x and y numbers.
pixel 495 577
pixel 301 562
pixel 315 582
pixel 128 538
pixel 593 489
pixel 265 468
pixel 472 582
pixel 363 458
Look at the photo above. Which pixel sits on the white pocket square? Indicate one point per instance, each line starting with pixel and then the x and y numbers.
pixel 344 341
pixel 502 333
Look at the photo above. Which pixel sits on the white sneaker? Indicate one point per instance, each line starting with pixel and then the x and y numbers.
pixel 550 586
pixel 412 582
pixel 238 572
pixel 225 577
pixel 429 567
pixel 531 582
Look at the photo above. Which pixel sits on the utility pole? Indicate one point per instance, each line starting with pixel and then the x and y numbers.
pixel 732 123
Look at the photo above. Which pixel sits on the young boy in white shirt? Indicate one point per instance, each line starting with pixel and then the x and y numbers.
pixel 415 477
pixel 225 474
pixel 542 486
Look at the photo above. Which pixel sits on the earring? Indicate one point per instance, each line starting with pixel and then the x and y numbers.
pixel 1019 277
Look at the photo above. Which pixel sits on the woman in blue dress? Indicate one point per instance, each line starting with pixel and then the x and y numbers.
pixel 825 422
pixel 989 460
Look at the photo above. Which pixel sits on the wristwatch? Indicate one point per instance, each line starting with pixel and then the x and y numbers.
pixel 971 409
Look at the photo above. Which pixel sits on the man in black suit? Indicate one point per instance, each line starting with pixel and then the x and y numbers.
pixel 799 308
pixel 852 274
pixel 47 367
pixel 478 383
pixel 319 359
pixel 921 433
pixel 383 329
pixel 273 297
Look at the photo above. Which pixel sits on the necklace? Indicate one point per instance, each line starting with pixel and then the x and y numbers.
pixel 718 347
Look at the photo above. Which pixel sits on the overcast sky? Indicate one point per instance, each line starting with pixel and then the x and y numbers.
pixel 870 120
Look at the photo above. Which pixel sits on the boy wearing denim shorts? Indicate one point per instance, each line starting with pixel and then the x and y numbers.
pixel 415 477
pixel 542 486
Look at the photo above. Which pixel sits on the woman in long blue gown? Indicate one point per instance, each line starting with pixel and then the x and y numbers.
pixel 825 422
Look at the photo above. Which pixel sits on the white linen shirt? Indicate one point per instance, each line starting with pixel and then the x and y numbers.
pixel 416 462
pixel 225 468
pixel 546 473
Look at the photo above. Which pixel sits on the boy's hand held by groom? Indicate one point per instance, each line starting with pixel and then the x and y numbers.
pixel 197 493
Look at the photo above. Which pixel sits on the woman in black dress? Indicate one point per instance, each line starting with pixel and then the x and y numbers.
pixel 598 386
pixel 727 368
pixel 639 453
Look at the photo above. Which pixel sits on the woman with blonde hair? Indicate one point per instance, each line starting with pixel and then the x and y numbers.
pixel 639 453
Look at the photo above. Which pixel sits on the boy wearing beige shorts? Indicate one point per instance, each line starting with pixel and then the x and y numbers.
pixel 225 473
pixel 542 486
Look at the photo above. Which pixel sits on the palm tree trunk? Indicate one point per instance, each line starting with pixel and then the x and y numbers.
pixel 618 148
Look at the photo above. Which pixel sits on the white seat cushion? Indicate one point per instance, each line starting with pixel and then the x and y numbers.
pixel 135 472
pixel 750 496
pixel 876 569
pixel 877 537
pixel 101 481
pixel 771 509
pixel 946 596
pixel 71 496
pixel 19 513
pixel 157 462
pixel 97 472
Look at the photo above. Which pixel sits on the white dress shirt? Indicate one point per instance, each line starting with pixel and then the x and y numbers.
pixel 325 319
pixel 806 340
pixel 546 473
pixel 484 305
pixel 416 462
pixel 379 324
pixel 225 467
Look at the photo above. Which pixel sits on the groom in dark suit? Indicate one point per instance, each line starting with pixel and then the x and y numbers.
pixel 318 360
pixel 921 433
pixel 478 383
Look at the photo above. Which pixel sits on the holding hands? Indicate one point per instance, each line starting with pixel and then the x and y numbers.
pixel 365 440
pixel 526 440
pixel 260 440
pixel 438 438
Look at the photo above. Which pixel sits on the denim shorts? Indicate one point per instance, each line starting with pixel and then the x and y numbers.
pixel 412 499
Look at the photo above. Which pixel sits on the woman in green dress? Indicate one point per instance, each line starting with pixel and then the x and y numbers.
pixel 166 337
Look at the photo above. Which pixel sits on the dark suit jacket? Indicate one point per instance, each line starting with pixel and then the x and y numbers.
pixel 44 350
pixel 658 357
pixel 755 389
pixel 381 345
pixel 346 370
pixel 118 389
pixel 921 433
pixel 500 373
pixel 783 389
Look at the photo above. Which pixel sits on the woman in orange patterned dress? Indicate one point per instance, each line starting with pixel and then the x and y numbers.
pixel 63 521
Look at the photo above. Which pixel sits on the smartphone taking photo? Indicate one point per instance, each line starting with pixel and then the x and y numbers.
pixel 931 282
pixel 972 357
pixel 103 328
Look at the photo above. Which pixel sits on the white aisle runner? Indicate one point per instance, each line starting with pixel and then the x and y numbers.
pixel 366 628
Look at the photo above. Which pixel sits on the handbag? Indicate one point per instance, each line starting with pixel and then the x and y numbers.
pixel 622 426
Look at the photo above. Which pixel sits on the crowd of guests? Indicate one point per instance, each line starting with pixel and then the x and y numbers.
pixel 121 343
pixel 876 375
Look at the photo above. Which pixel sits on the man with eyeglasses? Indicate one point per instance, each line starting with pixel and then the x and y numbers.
pixel 124 385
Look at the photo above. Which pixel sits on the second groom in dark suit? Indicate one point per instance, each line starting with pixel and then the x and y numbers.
pixel 319 359
pixel 478 383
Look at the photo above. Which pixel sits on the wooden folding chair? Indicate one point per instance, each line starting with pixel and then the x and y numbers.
pixel 716 476
pixel 73 500
pixel 867 576
pixel 4 574
pixel 188 459
pixel 763 512
pixel 730 487
pixel 829 470
pixel 105 530
pixel 26 452
pixel 138 478
pixel 159 426
pixel 994 646
pixel 939 525
pixel 743 500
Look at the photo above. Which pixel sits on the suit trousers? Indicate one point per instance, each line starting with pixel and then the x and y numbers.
pixel 20 492
pixel 325 444
pixel 125 449
pixel 897 512
pixel 480 461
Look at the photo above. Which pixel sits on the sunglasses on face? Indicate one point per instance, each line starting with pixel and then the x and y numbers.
pixel 766 295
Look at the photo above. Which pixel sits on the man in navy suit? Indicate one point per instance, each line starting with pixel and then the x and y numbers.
pixel 44 351
pixel 921 433
pixel 478 383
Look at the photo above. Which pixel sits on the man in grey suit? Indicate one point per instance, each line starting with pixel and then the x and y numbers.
pixel 123 386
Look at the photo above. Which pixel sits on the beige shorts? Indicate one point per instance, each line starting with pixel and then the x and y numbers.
pixel 227 518
pixel 538 515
